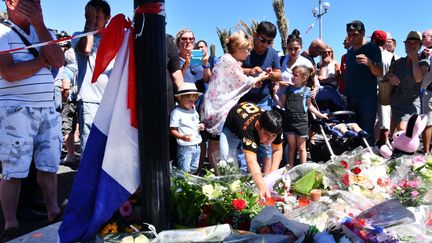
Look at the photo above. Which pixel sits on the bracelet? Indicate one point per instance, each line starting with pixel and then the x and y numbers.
pixel 206 66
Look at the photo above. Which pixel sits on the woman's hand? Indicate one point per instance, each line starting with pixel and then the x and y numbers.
pixel 392 78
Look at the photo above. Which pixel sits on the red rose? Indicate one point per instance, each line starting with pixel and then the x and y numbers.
pixel 264 230
pixel 239 204
pixel 356 170
pixel 344 164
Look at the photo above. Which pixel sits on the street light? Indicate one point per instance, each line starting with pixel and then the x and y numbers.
pixel 319 11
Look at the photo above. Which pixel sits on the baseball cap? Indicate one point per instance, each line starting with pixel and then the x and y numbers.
pixel 379 36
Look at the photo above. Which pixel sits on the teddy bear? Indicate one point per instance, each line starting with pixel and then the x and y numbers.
pixel 406 142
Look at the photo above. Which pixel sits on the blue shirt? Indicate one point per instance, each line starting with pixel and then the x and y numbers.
pixel 359 80
pixel 270 59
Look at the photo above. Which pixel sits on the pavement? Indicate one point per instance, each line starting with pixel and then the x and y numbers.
pixel 41 230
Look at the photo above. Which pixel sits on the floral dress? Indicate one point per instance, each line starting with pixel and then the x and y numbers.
pixel 227 85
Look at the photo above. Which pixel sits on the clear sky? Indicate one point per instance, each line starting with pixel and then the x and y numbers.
pixel 203 16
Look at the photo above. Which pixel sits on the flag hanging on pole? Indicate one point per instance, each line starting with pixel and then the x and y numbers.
pixel 109 171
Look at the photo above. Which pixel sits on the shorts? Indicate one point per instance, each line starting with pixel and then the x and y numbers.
pixel 208 136
pixel 69 117
pixel 297 123
pixel 28 133
pixel 427 106
pixel 402 111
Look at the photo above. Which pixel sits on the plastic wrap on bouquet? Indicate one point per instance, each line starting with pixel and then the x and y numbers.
pixel 215 233
pixel 419 231
pixel 294 174
pixel 228 166
pixel 353 168
pixel 388 213
pixel 271 220
pixel 313 214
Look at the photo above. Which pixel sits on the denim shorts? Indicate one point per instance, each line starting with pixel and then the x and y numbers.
pixel 28 134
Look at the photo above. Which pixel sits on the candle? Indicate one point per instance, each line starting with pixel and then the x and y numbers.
pixel 315 195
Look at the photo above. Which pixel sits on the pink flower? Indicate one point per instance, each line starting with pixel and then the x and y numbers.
pixel 415 193
pixel 413 184
pixel 345 179
pixel 126 211
pixel 358 162
pixel 418 161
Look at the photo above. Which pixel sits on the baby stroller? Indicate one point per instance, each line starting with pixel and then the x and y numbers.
pixel 335 136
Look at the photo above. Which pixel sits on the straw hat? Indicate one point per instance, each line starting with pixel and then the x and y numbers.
pixel 187 88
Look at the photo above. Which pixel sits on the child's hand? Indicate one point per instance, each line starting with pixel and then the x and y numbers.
pixel 186 138
pixel 201 127
pixel 324 116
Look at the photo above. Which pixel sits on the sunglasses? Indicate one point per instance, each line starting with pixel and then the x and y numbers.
pixel 187 38
pixel 265 40
pixel 424 36
pixel 354 26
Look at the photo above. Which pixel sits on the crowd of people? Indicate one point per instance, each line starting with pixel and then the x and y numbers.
pixel 255 100
pixel 243 106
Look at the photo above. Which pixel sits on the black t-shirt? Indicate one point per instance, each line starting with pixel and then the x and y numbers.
pixel 172 65
pixel 241 121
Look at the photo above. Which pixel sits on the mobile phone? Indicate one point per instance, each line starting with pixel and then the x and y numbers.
pixel 196 57
pixel 197 54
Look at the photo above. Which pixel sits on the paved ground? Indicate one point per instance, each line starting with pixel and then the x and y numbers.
pixel 65 179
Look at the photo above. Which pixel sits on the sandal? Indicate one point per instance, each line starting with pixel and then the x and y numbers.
pixel 10 234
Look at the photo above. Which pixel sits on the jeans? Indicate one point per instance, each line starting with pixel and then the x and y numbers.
pixel 188 157
pixel 229 148
pixel 365 109
pixel 86 114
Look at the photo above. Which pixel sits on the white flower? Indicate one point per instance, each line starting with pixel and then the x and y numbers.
pixel 208 190
pixel 230 161
pixel 141 239
pixel 235 185
pixel 178 190
pixel 222 163
pixel 127 239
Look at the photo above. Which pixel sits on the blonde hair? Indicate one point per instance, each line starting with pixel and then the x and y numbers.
pixel 180 34
pixel 331 49
pixel 238 40
pixel 308 72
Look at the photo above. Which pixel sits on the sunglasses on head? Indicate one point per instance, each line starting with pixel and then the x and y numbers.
pixel 354 26
pixel 265 40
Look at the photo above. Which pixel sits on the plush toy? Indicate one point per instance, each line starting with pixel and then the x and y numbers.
pixel 406 142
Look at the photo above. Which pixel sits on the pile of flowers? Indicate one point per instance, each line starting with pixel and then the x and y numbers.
pixel 210 200
pixel 228 167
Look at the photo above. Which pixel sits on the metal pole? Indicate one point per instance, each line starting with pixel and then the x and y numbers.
pixel 150 56
pixel 320 14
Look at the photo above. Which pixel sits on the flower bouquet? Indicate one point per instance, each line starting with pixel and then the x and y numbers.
pixel 210 200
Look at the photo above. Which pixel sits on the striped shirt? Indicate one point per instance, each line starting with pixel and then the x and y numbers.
pixel 34 91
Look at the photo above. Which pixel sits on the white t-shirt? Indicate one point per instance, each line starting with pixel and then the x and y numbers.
pixel 286 72
pixel 186 121
pixel 34 91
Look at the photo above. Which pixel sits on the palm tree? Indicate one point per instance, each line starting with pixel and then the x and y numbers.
pixel 223 34
pixel 248 28
pixel 282 23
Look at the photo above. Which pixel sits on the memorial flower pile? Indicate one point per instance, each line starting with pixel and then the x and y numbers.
pixel 210 200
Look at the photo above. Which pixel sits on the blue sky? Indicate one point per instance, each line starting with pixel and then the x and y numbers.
pixel 203 16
